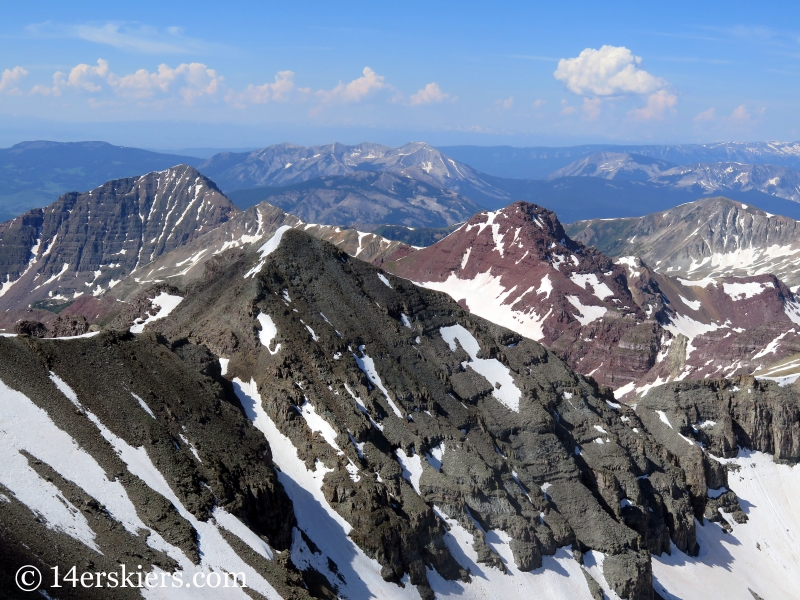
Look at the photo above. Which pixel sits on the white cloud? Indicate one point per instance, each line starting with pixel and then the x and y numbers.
pixel 505 104
pixel 82 77
pixel 430 94
pixel 707 115
pixel 538 103
pixel 609 71
pixel 9 80
pixel 280 91
pixel 197 79
pixel 566 109
pixel 657 105
pixel 591 108
pixel 193 80
pixel 126 36
pixel 356 90
pixel 740 114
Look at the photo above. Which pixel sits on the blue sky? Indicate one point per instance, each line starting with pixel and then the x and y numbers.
pixel 179 74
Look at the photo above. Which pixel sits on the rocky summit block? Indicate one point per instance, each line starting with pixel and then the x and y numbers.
pixel 622 322
pixel 429 415
pixel 517 267
pixel 85 243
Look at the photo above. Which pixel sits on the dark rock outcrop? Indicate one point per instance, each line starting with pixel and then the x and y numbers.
pixel 85 243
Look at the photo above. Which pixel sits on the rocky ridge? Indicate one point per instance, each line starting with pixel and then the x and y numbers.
pixel 85 243
pixel 422 450
pixel 518 268
pixel 287 164
pixel 709 238
pixel 622 323
pixel 705 178
pixel 123 450
pixel 393 371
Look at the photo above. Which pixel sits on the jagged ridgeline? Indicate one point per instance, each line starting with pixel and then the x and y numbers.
pixel 85 243
pixel 333 431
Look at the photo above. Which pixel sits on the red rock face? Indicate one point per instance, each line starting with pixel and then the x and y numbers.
pixel 518 268
pixel 735 325
pixel 623 324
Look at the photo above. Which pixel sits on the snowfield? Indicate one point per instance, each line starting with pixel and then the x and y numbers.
pixel 762 555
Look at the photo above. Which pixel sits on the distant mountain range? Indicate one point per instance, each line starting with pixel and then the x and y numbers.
pixel 707 178
pixel 287 164
pixel 366 200
pixel 420 186
pixel 35 174
pixel 539 162
pixel 715 237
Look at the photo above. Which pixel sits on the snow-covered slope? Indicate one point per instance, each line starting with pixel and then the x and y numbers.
pixel 717 178
pixel 713 238
pixel 614 165
pixel 517 267
pixel 622 323
pixel 326 429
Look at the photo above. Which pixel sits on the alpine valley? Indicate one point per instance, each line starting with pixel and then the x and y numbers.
pixel 370 372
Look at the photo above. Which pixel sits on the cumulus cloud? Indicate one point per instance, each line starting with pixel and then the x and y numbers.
pixel 657 105
pixel 740 114
pixel 430 94
pixel 356 90
pixel 707 115
pixel 609 71
pixel 505 104
pixel 279 91
pixel 195 79
pixel 538 103
pixel 82 77
pixel 9 80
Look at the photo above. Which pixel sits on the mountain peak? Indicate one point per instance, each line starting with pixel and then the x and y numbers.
pixel 614 165
pixel 85 243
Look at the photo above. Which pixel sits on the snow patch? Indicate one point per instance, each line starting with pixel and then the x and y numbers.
pixel 268 332
pixel 599 288
pixel 412 468
pixel 165 303
pixel 495 372
pixel 586 314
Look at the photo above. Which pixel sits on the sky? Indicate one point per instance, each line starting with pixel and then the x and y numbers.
pixel 176 75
